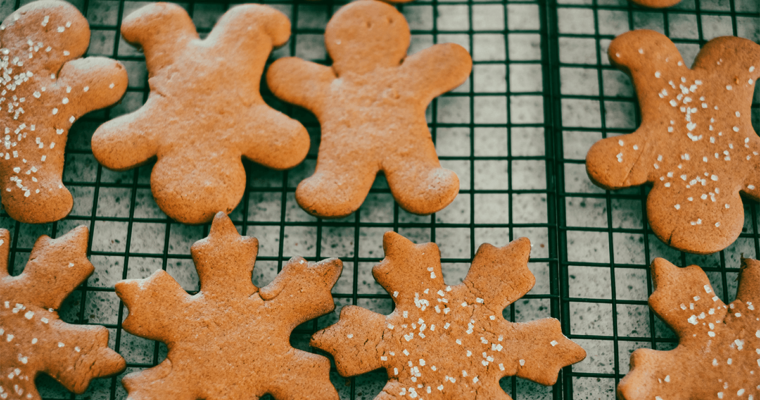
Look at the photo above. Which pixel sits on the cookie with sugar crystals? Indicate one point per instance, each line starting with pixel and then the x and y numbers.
pixel 204 112
pixel 33 338
pixel 718 345
pixel 45 88
pixel 448 342
pixel 371 106
pixel 232 339
pixel 696 143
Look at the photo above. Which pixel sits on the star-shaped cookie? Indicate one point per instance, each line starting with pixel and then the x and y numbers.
pixel 33 339
pixel 45 87
pixel 448 342
pixel 718 353
pixel 371 106
pixel 696 143
pixel 204 111
pixel 232 339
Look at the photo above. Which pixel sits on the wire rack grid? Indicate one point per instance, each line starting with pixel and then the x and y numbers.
pixel 516 133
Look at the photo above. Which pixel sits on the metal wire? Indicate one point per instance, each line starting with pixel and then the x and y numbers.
pixel 126 226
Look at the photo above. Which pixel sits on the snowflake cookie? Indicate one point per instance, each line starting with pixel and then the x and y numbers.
pixel 204 112
pixel 44 88
pixel 232 339
pixel 718 354
pixel 696 143
pixel 448 342
pixel 33 339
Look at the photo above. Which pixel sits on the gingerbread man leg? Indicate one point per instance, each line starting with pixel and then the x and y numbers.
pixel 418 182
pixel 686 220
pixel 302 368
pixel 180 183
pixel 340 183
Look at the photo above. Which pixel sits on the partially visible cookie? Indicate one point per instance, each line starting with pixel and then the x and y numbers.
pixel 371 106
pixel 718 349
pixel 448 342
pixel 656 3
pixel 232 339
pixel 696 143
pixel 33 339
pixel 204 111
pixel 46 86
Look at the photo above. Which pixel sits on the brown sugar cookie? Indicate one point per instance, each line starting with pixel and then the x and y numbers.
pixel 371 106
pixel 45 87
pixel 448 342
pixel 656 3
pixel 204 111
pixel 33 338
pixel 719 347
pixel 232 339
pixel 696 143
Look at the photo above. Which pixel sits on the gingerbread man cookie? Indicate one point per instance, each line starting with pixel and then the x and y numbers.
pixel 371 106
pixel 717 354
pixel 656 3
pixel 33 339
pixel 45 88
pixel 696 143
pixel 231 340
pixel 204 111
pixel 448 342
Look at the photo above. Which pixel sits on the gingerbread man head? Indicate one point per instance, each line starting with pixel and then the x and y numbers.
pixel 360 39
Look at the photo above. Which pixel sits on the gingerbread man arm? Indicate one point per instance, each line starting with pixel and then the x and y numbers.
pixel 245 23
pixel 627 160
pixel 272 139
pixel 436 70
pixel 130 140
pixel 739 58
pixel 246 35
pixel 95 82
pixel 160 29
pixel 303 83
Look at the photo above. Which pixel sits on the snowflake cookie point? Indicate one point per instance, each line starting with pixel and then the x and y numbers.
pixel 34 339
pixel 251 326
pixel 453 337
pixel 695 145
pixel 714 344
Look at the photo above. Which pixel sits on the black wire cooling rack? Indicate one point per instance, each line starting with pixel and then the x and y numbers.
pixel 540 94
